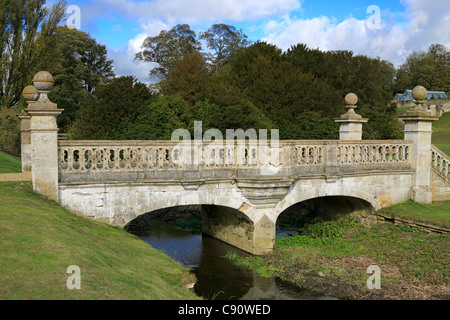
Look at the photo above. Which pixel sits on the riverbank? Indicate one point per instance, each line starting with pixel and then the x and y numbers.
pixel 332 258
pixel 40 240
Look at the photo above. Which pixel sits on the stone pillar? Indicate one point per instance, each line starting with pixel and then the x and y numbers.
pixel 25 141
pixel 351 123
pixel 44 138
pixel 418 129
pixel 31 94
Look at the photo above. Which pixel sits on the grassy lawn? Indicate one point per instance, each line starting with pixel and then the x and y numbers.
pixel 39 240
pixel 441 133
pixel 332 258
pixel 9 163
pixel 437 213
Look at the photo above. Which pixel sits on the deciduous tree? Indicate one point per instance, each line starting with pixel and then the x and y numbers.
pixel 25 26
pixel 224 41
pixel 167 48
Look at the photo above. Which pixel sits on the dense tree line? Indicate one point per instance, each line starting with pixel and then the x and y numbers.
pixel 230 84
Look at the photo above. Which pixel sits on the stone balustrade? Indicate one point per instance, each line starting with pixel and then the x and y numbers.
pixel 440 163
pixel 373 152
pixel 287 157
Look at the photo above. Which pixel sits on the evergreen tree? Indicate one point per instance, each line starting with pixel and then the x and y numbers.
pixel 78 65
pixel 102 113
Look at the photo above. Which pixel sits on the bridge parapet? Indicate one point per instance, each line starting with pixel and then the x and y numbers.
pixel 440 163
pixel 90 161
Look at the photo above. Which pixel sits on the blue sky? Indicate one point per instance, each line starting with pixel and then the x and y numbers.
pixel 403 25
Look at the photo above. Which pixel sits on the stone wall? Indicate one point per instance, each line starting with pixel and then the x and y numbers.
pixel 440 188
pixel 228 225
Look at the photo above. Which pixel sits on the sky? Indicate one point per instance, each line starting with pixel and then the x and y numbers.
pixel 389 30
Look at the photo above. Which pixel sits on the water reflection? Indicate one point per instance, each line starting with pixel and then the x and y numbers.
pixel 217 278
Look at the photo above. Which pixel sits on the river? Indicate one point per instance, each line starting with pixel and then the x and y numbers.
pixel 217 277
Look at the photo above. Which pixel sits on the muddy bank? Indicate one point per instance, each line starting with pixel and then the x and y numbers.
pixel 346 279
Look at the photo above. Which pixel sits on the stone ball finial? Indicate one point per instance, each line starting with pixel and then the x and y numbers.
pixel 351 99
pixel 419 93
pixel 43 81
pixel 30 94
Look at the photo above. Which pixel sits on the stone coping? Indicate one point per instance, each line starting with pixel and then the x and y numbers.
pixel 88 143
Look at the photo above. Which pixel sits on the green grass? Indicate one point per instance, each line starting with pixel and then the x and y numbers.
pixel 441 133
pixel 40 239
pixel 9 163
pixel 437 213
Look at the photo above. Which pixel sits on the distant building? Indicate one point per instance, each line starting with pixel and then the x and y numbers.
pixel 407 96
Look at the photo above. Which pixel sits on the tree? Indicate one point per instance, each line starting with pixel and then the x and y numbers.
pixel 188 78
pixel 167 48
pixel 79 65
pixel 249 64
pixel 224 41
pixel 9 130
pixel 302 83
pixel 430 69
pixel 25 26
pixel 102 113
pixel 155 121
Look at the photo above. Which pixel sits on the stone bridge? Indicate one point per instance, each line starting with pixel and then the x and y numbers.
pixel 243 186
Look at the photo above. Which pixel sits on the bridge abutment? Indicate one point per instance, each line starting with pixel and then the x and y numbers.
pixel 233 227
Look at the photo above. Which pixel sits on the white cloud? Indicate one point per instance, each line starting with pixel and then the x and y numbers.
pixel 125 65
pixel 429 22
pixel 124 62
pixel 199 11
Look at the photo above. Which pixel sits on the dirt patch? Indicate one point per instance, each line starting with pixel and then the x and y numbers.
pixel 23 176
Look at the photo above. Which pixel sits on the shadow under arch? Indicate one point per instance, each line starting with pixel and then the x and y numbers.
pixel 327 208
pixel 223 223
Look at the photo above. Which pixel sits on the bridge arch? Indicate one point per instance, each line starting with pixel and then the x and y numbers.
pixel 358 200
pixel 138 203
pixel 221 222
pixel 330 208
